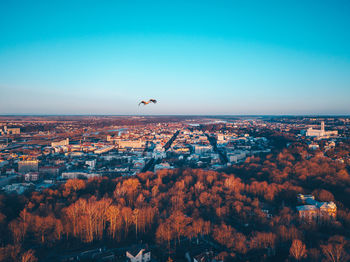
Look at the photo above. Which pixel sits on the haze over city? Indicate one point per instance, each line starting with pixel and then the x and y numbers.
pixel 195 57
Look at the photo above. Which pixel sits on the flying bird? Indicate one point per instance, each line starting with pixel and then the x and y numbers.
pixel 149 101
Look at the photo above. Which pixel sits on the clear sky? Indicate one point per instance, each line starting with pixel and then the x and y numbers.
pixel 194 57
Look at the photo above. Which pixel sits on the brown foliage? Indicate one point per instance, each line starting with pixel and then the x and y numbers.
pixel 297 249
pixel 335 249
pixel 29 256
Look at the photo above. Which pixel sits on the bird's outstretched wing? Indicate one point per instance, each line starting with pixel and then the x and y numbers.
pixel 149 101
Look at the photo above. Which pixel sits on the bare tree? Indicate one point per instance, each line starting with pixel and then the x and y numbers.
pixel 297 249
pixel 29 256
pixel 135 216
pixel 334 251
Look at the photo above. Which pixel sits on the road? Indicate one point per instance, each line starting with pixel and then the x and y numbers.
pixel 171 140
pixel 220 151
pixel 150 164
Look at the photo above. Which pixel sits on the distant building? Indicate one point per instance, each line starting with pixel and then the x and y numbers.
pixel 163 166
pixel 314 210
pixel 50 170
pixel 139 163
pixel 26 166
pixel 220 137
pixel 314 146
pixel 13 131
pixel 308 212
pixel 201 253
pixel 5 180
pixel 10 131
pixel 158 154
pixel 131 144
pixel 103 149
pixel 138 254
pixel 31 177
pixel 91 163
pixel 200 149
pixel 236 156
pixel 18 188
pixel 320 133
pixel 3 162
pixel 64 142
pixel 303 198
pixel 74 154
pixel 78 174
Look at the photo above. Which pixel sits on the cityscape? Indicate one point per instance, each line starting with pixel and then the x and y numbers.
pixel 175 131
pixel 181 188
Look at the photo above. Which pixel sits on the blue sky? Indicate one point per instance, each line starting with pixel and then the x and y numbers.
pixel 194 57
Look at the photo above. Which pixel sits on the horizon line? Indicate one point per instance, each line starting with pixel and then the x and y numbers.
pixel 200 115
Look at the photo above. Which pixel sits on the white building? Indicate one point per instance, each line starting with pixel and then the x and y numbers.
pixel 314 210
pixel 77 174
pixel 131 144
pixel 64 142
pixel 236 156
pixel 159 154
pixel 163 166
pixel 32 176
pixel 320 133
pixel 138 254
pixel 103 149
pixel 314 146
pixel 200 149
pixel 91 163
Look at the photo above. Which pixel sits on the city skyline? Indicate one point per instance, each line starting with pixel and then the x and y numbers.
pixel 195 58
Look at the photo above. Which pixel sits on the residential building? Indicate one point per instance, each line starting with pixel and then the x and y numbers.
pixel 315 210
pixel 103 149
pixel 91 163
pixel 131 144
pixel 50 170
pixel 78 174
pixel 26 166
pixel 10 131
pixel 31 176
pixel 64 142
pixel 138 254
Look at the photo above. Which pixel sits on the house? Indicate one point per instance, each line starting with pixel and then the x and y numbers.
pixel 308 212
pixel 203 257
pixel 50 170
pixel 31 176
pixel 201 252
pixel 138 254
pixel 327 209
pixel 315 210
pixel 303 198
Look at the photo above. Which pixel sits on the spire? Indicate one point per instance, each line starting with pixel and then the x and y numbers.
pixel 322 125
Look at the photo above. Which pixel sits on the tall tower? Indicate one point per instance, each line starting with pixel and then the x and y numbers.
pixel 322 126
